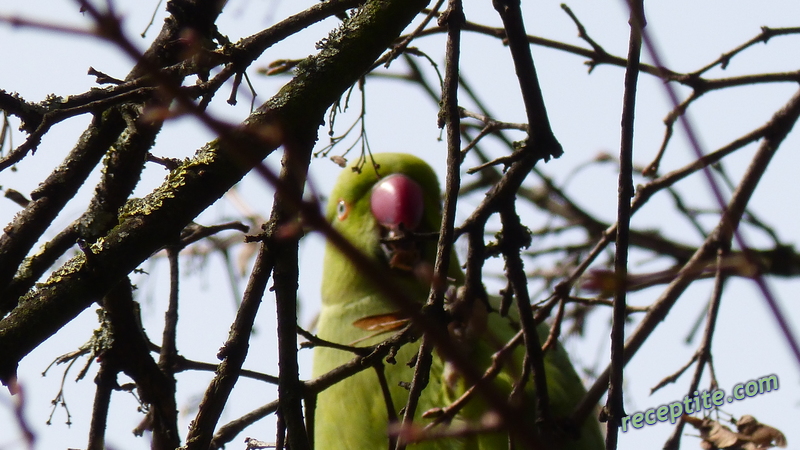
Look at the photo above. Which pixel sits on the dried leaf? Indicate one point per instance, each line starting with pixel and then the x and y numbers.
pixel 279 66
pixel 339 161
pixel 714 434
pixel 720 435
pixel 381 322
pixel 752 435
pixel 764 436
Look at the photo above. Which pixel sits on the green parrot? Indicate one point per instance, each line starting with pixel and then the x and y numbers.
pixel 399 195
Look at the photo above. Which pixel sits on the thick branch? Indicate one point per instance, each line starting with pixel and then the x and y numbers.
pixel 148 224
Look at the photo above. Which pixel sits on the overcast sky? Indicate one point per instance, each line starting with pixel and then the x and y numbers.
pixel 585 113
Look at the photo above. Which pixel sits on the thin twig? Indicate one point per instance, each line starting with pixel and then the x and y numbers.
pixel 453 17
pixel 615 408
pixel 703 354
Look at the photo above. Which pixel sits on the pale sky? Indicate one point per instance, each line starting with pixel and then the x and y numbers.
pixel 585 113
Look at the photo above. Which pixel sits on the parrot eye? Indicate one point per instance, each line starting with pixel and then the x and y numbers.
pixel 342 210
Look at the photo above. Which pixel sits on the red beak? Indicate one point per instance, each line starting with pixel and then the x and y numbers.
pixel 397 199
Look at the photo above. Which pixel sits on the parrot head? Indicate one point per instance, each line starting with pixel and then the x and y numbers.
pixel 378 208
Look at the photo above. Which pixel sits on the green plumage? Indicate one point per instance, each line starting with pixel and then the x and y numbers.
pixel 352 414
